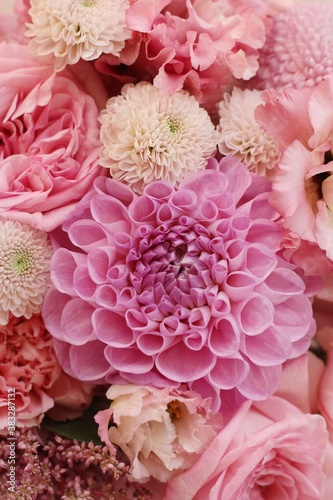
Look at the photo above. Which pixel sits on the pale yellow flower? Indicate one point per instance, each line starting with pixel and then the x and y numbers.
pixel 148 135
pixel 25 255
pixel 77 29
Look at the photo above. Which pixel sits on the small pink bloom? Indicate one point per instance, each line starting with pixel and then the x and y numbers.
pixel 162 431
pixel 31 372
pixel 49 140
pixel 270 450
pixel 294 56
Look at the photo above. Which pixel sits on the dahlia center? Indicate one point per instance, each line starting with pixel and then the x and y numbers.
pixel 172 266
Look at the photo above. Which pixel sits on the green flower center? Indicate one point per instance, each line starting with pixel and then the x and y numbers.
pixel 22 261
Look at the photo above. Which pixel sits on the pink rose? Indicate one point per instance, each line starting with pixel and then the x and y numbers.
pixel 267 450
pixel 49 140
pixel 162 431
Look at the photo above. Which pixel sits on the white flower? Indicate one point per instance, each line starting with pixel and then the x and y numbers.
pixel 148 135
pixel 25 255
pixel 74 29
pixel 240 134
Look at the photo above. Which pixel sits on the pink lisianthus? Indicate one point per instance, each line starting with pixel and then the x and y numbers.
pixel 178 285
pixel 300 121
pixel 31 372
pixel 49 140
pixel 161 431
pixel 267 450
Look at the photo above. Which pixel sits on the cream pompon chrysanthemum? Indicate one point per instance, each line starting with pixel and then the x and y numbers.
pixel 74 29
pixel 241 136
pixel 25 255
pixel 148 135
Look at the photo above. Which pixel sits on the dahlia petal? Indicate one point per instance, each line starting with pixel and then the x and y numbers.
pixel 205 184
pixel 285 281
pixel 238 285
pixel 95 366
pixel 220 305
pixel 259 261
pixel 184 200
pixel 166 213
pixel 172 326
pixel 99 262
pixel 139 322
pixel 272 347
pixel 264 232
pixel 76 322
pixel 107 297
pixel 256 314
pixel 240 225
pixel 83 285
pixel 129 360
pixel 182 364
pixel 154 342
pixel 224 337
pixel 196 339
pixel 87 234
pixel 52 315
pixel 111 328
pixel 293 315
pixel 143 209
pixel 63 265
pixel 236 253
pixel 159 190
pixel 228 372
pixel 110 213
pixel 260 382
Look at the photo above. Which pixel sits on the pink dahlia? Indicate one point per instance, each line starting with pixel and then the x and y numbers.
pixel 29 370
pixel 298 51
pixel 178 285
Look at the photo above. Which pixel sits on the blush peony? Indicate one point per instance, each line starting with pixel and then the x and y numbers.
pixel 300 121
pixel 49 140
pixel 29 367
pixel 268 451
pixel 161 431
pixel 178 285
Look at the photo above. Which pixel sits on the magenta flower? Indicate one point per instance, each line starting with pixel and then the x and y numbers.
pixel 178 285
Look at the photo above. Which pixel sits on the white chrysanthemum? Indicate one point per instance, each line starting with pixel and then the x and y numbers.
pixel 148 135
pixel 240 134
pixel 25 255
pixel 74 29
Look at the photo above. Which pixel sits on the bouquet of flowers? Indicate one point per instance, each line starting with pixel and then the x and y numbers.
pixel 166 250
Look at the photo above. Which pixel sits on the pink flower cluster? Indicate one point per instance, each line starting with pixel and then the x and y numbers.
pixel 197 45
pixel 178 285
pixel 28 365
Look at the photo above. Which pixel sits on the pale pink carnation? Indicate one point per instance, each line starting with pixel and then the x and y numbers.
pixel 268 451
pixel 240 134
pixel 74 29
pixel 148 135
pixel 178 285
pixel 25 256
pixel 298 51
pixel 196 45
pixel 30 371
pixel 300 121
pixel 49 140
pixel 161 431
